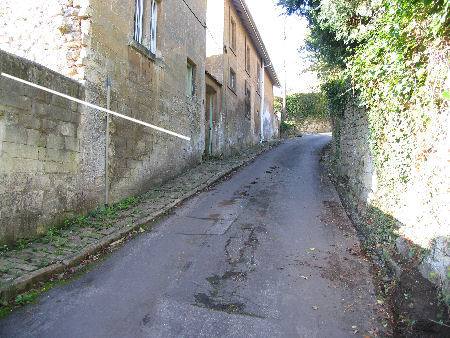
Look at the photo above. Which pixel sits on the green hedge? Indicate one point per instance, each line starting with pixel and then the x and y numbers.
pixel 306 105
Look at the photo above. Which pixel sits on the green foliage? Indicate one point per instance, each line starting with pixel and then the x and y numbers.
pixel 338 94
pixel 25 298
pixel 304 105
pixel 127 203
pixel 278 104
pixel 381 54
pixel 287 126
pixel 391 58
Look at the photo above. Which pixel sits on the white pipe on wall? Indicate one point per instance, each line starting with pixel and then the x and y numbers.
pixel 261 110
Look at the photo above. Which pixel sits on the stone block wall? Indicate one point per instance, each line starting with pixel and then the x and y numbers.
pixel 351 154
pixel 271 123
pixel 149 88
pixel 89 40
pixel 41 181
pixel 46 32
pixel 418 206
pixel 236 128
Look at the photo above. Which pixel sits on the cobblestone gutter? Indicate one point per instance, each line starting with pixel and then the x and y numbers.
pixel 37 260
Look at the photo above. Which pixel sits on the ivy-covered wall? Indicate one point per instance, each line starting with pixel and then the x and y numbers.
pixel 393 172
pixel 385 67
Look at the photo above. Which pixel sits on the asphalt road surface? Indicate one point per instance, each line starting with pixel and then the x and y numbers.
pixel 267 253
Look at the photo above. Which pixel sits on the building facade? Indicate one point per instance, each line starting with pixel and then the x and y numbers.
pixel 53 162
pixel 239 82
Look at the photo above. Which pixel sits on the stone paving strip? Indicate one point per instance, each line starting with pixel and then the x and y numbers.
pixel 38 259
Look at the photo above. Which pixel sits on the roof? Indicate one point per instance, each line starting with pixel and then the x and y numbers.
pixel 213 78
pixel 250 27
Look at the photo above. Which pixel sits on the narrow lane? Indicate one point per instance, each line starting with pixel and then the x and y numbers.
pixel 268 253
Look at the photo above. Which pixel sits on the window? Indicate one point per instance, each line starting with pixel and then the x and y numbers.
pixel 247 100
pixel 190 78
pixel 258 77
pixel 233 33
pixel 146 14
pixel 247 59
pixel 232 80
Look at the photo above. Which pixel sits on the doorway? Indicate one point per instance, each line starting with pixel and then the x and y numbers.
pixel 209 118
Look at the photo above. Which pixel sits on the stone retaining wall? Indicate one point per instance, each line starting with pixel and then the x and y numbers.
pixel 418 206
pixel 39 150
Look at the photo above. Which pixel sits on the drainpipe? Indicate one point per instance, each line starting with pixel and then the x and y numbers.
pixel 261 109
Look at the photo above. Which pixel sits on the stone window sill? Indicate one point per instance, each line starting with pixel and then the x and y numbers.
pixel 141 49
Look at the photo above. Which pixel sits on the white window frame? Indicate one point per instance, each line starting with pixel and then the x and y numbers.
pixel 232 80
pixel 153 26
pixel 139 23
pixel 139 20
pixel 190 78
pixel 233 37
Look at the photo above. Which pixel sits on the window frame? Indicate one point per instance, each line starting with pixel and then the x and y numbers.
pixel 153 26
pixel 190 78
pixel 248 99
pixel 145 34
pixel 258 76
pixel 232 80
pixel 247 57
pixel 233 34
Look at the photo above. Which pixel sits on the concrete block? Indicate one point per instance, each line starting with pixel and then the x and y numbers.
pixel 54 155
pixel 15 134
pixel 55 142
pixel 67 129
pixel 11 117
pixel 66 115
pixel 30 121
pixel 48 125
pixel 40 109
pixel 20 165
pixel 20 150
pixel 61 102
pixel 52 167
pixel 15 100
pixel 72 144
pixel 70 165
pixel 34 137
pixel 133 164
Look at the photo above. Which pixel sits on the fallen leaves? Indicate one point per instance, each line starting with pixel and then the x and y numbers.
pixel 117 242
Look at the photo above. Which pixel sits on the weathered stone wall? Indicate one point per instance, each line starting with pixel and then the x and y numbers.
pixel 237 129
pixel 352 155
pixel 271 122
pixel 152 89
pixel 419 205
pixel 40 177
pixel 312 125
pixel 46 32
pixel 146 86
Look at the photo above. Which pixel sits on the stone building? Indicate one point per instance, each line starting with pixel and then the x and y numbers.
pixel 239 80
pixel 52 151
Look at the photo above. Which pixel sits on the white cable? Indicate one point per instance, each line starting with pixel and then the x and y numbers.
pixel 97 107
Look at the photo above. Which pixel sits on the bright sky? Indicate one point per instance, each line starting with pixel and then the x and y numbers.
pixel 270 21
